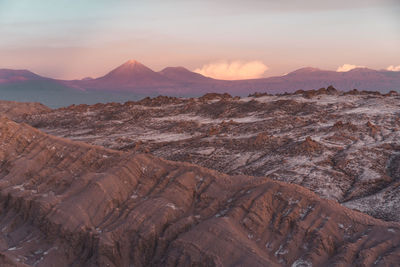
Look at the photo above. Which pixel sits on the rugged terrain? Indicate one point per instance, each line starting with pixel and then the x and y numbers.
pixel 342 146
pixel 66 203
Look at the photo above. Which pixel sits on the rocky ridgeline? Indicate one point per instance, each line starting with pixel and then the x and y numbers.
pixel 330 90
pixel 66 203
pixel 19 111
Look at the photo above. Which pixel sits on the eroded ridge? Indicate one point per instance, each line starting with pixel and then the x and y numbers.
pixel 70 203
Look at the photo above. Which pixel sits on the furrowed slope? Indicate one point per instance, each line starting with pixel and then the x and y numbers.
pixel 69 203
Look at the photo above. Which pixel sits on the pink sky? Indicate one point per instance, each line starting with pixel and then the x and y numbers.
pixel 88 38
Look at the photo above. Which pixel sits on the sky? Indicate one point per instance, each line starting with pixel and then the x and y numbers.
pixel 229 39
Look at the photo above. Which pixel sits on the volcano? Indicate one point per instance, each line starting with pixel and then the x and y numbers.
pixel 182 74
pixel 131 74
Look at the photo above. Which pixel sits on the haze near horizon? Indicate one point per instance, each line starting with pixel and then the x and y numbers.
pixel 225 40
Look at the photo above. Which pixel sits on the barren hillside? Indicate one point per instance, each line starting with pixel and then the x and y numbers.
pixel 68 203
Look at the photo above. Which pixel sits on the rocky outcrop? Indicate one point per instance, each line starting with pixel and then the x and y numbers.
pixel 215 96
pixel 339 126
pixel 322 91
pixel 308 147
pixel 19 111
pixel 159 101
pixel 69 203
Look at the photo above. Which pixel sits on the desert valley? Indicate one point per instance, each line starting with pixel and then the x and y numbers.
pixel 199 133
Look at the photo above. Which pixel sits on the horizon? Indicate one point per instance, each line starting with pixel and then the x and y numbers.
pixel 225 40
pixel 343 68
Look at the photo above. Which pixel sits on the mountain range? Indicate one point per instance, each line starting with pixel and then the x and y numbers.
pixel 133 80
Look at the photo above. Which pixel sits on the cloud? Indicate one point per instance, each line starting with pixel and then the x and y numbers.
pixel 348 67
pixel 393 68
pixel 234 70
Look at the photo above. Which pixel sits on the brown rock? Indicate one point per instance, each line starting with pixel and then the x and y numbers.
pixel 373 129
pixel 212 96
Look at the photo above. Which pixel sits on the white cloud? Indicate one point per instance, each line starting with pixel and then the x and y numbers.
pixel 393 68
pixel 348 67
pixel 234 70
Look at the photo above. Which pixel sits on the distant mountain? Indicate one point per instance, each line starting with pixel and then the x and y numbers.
pixel 130 75
pixel 136 78
pixel 11 76
pixel 181 74
pixel 133 80
pixel 306 70
pixel 26 86
pixel 312 78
